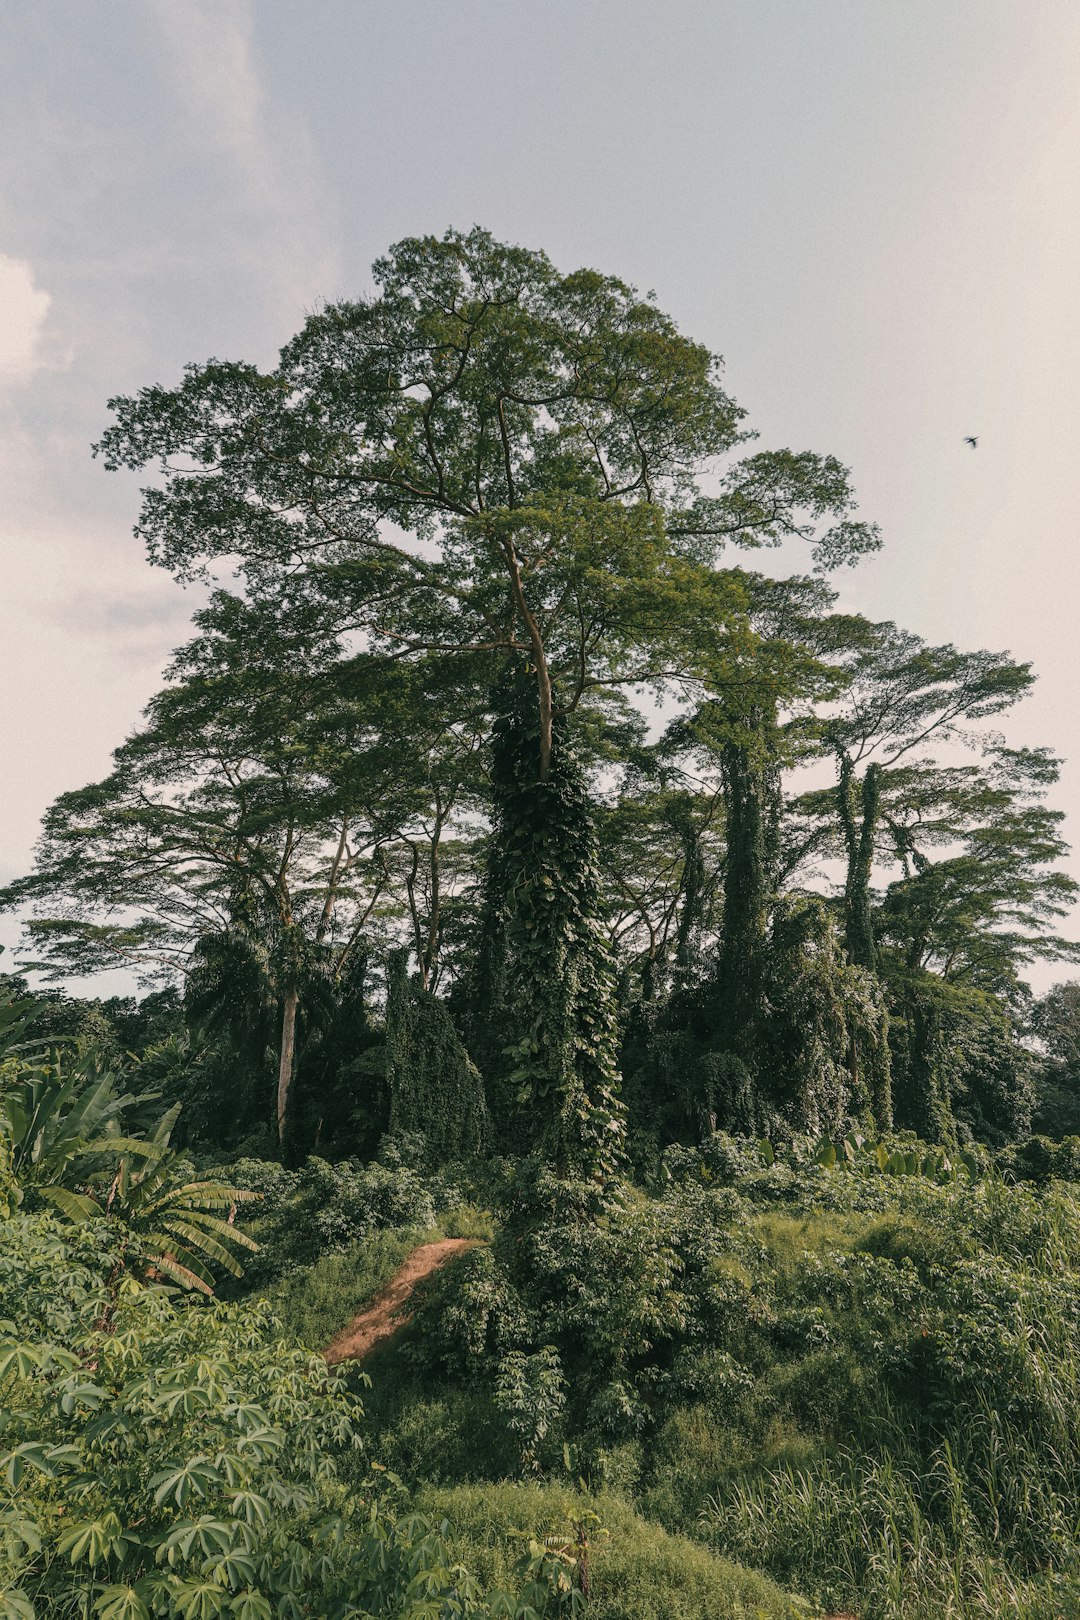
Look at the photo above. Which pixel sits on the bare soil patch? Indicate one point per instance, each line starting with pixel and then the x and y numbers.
pixel 384 1315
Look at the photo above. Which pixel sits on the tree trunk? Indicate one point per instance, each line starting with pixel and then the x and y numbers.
pixel 740 1011
pixel 543 673
pixel 859 821
pixel 431 949
pixel 544 1007
pixel 688 931
pixel 746 875
pixel 332 883
pixel 285 1065
pixel 547 706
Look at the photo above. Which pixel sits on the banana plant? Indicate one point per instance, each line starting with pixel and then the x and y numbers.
pixel 173 1218
pixel 63 1135
pixel 55 1120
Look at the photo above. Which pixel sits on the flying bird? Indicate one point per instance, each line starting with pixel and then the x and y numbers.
pixel 972 440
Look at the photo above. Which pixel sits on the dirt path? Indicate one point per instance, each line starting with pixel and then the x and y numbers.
pixel 383 1316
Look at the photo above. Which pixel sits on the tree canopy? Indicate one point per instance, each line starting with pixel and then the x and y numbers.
pixel 484 520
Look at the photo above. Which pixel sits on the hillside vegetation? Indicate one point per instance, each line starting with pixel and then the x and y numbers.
pixel 505 859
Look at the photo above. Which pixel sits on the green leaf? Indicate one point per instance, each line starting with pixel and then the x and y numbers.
pixel 76 1206
pixel 251 1605
pixel 121 1603
pixel 22 1359
pixel 15 1605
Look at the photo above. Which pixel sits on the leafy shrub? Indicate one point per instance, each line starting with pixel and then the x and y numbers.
pixel 440 1437
pixel 530 1392
pixel 325 1208
pixel 723 1342
pixel 1040 1159
pixel 172 1459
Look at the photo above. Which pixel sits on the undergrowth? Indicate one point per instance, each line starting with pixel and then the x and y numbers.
pixel 634 1570
pixel 314 1301
pixel 864 1388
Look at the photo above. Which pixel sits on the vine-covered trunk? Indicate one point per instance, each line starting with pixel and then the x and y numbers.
pixel 544 1005
pixel 689 929
pixel 859 810
pixel 749 786
pixel 435 1090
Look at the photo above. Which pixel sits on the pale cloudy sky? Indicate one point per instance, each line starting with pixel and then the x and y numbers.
pixel 871 209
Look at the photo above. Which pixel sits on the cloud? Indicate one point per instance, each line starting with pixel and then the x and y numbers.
pixel 263 159
pixel 24 309
pixel 210 54
pixel 124 616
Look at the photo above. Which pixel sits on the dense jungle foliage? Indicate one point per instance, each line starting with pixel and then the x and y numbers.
pixel 505 860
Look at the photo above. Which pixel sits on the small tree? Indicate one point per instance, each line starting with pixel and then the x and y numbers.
pixel 903 698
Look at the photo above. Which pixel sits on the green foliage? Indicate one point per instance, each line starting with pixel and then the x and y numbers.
pixel 327 1208
pixel 562 1311
pixel 878 1331
pixel 56 1116
pixel 314 1301
pixel 172 1459
pixel 1041 1159
pixel 546 437
pixel 935 1484
pixel 119 1030
pixel 956 1059
pixel 435 1088
pixel 61 1132
pixel 530 1395
pixel 479 519
pixel 894 1534
pixel 826 1034
pixel 813 1054
pixel 634 1568
pixel 546 984
pixel 1055 1022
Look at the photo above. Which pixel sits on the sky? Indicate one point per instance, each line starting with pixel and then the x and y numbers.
pixel 871 210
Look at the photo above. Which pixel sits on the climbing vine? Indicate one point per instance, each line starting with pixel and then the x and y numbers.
pixel 827 1033
pixel 547 971
pixel 435 1087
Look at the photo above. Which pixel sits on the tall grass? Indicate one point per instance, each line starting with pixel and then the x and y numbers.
pixel 897 1537
pixel 637 1571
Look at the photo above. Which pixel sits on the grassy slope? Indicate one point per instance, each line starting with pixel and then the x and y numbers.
pixel 638 1571
pixel 314 1301
pixel 802 1469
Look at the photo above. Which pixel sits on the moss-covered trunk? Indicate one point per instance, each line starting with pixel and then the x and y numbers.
pixel 749 789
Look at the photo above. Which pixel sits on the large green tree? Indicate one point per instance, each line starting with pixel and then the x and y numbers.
pixel 273 803
pixel 994 899
pixel 1055 1023
pixel 488 454
pixel 489 457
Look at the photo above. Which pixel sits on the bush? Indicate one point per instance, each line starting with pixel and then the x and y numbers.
pixel 171 1458
pixel 1040 1159
pixel 324 1208
pixel 721 1342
